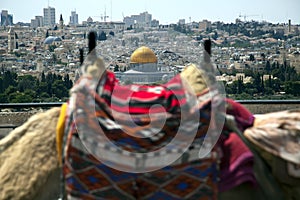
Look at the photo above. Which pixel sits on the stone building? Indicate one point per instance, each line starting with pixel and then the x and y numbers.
pixel 12 43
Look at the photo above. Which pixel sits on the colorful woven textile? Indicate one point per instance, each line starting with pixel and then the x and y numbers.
pixel 101 140
pixel 87 178
pixel 237 161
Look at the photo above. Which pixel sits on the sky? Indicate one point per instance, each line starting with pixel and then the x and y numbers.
pixel 166 11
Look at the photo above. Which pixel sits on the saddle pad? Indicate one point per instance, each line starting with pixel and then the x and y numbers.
pixel 87 178
pixel 169 150
pixel 278 133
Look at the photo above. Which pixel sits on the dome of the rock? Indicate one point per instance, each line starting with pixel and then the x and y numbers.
pixel 143 55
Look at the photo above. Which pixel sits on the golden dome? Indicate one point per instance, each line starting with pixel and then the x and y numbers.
pixel 143 55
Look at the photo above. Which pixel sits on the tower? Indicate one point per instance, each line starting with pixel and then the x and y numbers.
pixel 49 16
pixel 39 65
pixel 12 44
pixel 290 26
pixel 74 18
pixel 6 19
pixel 61 22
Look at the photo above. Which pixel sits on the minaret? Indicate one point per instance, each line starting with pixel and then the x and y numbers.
pixel 290 26
pixel 39 65
pixel 61 22
pixel 11 40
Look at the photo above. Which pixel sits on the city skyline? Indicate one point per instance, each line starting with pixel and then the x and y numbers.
pixel 276 11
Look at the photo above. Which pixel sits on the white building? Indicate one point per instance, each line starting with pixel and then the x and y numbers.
pixel 6 19
pixel 74 18
pixel 49 16
pixel 181 22
pixel 142 20
pixel 204 25
pixel 37 22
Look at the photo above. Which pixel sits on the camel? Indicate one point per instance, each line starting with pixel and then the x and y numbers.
pixel 30 167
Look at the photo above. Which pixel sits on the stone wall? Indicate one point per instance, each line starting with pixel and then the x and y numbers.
pixel 10 119
pixel 18 118
pixel 267 108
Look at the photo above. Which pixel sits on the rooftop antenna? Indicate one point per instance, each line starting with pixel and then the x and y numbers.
pixel 145 5
pixel 105 16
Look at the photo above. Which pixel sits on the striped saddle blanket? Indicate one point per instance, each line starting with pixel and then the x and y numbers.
pixel 139 142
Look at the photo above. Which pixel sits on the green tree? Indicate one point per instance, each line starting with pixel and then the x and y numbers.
pixel 268 67
pixel 31 93
pixel 43 87
pixel 49 78
pixel 276 85
pixel 59 89
pixel 26 82
pixel 43 77
pixel 268 91
pixel 44 95
pixel 232 88
pixel 250 89
pixel 292 87
pixel 269 83
pixel 262 85
pixel 20 97
pixel 257 82
pixel 3 98
pixel 243 96
pixel 67 82
pixel 9 79
pixel 37 86
pixel 1 85
pixel 240 85
pixel 11 89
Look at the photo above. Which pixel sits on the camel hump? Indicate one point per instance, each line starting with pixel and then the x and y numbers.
pixel 278 133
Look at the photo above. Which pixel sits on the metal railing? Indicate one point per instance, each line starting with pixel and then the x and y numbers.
pixel 58 104
pixel 30 105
